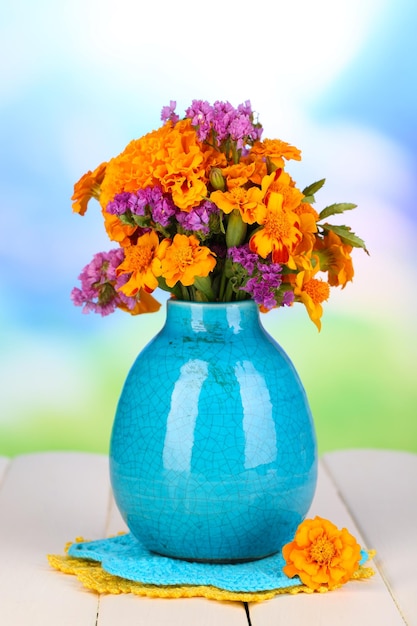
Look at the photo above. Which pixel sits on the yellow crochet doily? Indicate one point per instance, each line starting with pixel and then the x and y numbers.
pixel 93 577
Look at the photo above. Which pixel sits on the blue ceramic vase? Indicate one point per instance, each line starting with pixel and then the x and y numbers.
pixel 213 451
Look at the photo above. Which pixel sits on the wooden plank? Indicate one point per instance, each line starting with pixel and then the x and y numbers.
pixel 49 498
pixel 380 489
pixel 46 500
pixel 130 609
pixel 358 602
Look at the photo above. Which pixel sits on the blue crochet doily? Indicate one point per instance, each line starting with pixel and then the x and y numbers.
pixel 125 557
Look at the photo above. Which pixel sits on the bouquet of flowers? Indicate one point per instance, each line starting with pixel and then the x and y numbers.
pixel 204 208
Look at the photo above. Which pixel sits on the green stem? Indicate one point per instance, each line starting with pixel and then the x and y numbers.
pixel 222 286
pixel 229 292
pixel 235 153
pixel 184 293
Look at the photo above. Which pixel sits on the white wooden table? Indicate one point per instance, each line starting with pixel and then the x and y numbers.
pixel 50 498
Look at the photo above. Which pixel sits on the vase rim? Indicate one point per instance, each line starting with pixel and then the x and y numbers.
pixel 219 305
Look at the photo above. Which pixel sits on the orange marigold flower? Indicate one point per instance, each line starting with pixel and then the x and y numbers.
pixel 187 191
pixel 182 260
pixel 311 292
pixel 260 167
pixel 138 263
pixel 306 209
pixel 116 230
pixel 279 233
pixel 181 168
pixel 238 174
pixel 145 304
pixel 302 254
pixel 86 188
pixel 334 258
pixel 213 157
pixel 170 156
pixel 133 168
pixel 249 202
pixel 276 150
pixel 308 227
pixel 281 182
pixel 321 554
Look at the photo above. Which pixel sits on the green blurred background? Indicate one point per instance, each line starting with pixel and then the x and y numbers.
pixel 86 78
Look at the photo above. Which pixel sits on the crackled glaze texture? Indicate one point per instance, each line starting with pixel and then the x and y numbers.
pixel 213 452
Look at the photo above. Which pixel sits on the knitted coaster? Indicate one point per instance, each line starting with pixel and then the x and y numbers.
pixel 122 565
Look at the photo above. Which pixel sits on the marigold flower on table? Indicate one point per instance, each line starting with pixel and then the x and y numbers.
pixel 204 208
pixel 321 555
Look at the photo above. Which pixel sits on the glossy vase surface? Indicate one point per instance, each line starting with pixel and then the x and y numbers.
pixel 213 451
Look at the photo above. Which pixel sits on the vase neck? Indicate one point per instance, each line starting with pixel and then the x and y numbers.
pixel 217 320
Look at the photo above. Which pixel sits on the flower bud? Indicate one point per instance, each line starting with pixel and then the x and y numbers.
pixel 236 229
pixel 217 179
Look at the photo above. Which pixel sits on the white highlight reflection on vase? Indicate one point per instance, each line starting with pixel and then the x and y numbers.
pixel 255 455
pixel 179 437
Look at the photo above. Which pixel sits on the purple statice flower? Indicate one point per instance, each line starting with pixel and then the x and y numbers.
pixel 137 202
pixel 240 130
pixel 235 123
pixel 119 204
pixel 225 121
pixel 99 280
pixel 168 112
pixel 242 255
pixel 162 207
pixel 264 284
pixel 287 298
pixel 201 115
pixel 261 293
pixel 197 220
pixel 245 109
pixel 223 115
pixel 134 202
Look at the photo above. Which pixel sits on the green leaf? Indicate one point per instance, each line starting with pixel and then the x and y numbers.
pixel 222 228
pixel 309 199
pixel 203 284
pixel 333 209
pixel 200 296
pixel 174 290
pixel 313 188
pixel 346 235
pixel 141 220
pixel 126 218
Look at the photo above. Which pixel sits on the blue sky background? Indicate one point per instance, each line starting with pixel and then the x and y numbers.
pixel 80 79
